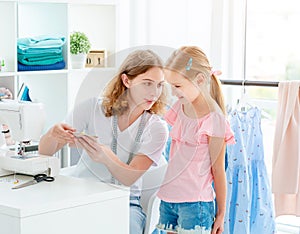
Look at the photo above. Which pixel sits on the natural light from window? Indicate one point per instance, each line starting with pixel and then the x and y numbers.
pixel 272 54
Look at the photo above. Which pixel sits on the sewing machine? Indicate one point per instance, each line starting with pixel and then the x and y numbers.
pixel 26 122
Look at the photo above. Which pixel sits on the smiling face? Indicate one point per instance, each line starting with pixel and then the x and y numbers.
pixel 185 90
pixel 145 89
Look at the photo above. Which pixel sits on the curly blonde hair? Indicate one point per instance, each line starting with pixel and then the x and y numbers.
pixel 136 63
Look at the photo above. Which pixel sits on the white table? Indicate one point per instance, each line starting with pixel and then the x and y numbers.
pixel 66 206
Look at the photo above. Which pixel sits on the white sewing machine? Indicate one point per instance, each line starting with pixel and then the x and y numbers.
pixel 26 122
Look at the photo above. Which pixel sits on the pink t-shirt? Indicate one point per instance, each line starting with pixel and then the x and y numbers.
pixel 189 177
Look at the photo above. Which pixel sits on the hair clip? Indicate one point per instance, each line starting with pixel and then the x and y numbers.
pixel 189 64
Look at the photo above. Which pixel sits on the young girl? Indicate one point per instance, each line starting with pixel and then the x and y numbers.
pixel 199 136
pixel 131 136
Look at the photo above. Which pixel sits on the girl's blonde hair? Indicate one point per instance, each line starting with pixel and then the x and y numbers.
pixel 136 63
pixel 189 61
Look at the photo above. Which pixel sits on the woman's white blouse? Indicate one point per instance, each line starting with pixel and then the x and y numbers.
pixel 89 118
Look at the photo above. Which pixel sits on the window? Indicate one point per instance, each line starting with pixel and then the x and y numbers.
pixel 273 54
pixel 253 40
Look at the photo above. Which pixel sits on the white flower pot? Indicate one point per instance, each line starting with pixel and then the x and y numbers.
pixel 78 60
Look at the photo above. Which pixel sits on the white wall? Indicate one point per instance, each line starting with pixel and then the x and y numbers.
pixel 170 23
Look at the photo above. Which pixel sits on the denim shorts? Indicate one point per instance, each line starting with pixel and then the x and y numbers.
pixel 186 216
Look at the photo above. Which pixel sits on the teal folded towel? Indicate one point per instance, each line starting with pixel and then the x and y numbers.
pixel 39 43
pixel 48 61
pixel 34 51
pixel 40 56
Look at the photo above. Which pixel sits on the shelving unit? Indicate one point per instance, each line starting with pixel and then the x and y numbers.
pixel 57 89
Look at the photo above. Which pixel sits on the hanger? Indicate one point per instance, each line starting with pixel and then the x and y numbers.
pixel 243 102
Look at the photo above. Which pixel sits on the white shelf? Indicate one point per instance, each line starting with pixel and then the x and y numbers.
pixel 5 74
pixel 94 2
pixel 57 89
pixel 44 72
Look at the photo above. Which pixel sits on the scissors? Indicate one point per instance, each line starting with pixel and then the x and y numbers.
pixel 36 179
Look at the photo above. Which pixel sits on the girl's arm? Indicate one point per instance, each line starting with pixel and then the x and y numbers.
pixel 217 153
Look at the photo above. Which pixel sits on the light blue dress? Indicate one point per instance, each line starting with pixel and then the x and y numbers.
pixel 249 200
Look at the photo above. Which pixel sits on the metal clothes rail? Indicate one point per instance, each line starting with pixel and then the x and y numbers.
pixel 250 83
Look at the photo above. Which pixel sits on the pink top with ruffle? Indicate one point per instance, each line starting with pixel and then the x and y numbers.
pixel 189 177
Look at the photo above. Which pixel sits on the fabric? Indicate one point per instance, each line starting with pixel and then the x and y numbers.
pixel 38 51
pixel 89 117
pixel 188 177
pixel 55 66
pixel 286 150
pixel 28 44
pixel 40 59
pixel 249 207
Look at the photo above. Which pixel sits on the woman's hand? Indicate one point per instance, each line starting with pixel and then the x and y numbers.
pixel 97 152
pixel 57 136
pixel 62 133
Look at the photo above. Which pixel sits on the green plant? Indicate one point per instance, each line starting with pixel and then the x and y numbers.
pixel 79 43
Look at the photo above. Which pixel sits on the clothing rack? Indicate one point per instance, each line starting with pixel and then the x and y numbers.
pixel 250 83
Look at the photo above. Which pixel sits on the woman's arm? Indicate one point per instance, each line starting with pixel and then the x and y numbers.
pixel 217 153
pixel 127 174
pixel 151 151
pixel 56 138
pixel 124 173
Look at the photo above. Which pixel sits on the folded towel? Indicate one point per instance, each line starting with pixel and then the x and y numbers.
pixel 35 51
pixel 56 66
pixel 41 42
pixel 39 52
pixel 40 60
pixel 44 41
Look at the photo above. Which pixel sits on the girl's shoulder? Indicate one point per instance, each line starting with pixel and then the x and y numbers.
pixel 216 124
pixel 214 120
pixel 216 117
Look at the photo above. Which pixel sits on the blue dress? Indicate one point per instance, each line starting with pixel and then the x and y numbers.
pixel 249 200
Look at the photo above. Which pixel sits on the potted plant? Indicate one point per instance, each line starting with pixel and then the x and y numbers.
pixel 79 47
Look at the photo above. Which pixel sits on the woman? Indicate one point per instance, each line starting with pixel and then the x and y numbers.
pixel 130 135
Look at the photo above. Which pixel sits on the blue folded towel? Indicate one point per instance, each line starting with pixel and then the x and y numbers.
pixel 56 66
pixel 39 42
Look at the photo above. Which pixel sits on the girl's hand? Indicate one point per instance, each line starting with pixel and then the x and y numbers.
pixel 62 133
pixel 218 226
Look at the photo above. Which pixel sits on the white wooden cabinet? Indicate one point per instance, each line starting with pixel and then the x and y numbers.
pixel 67 205
pixel 57 89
